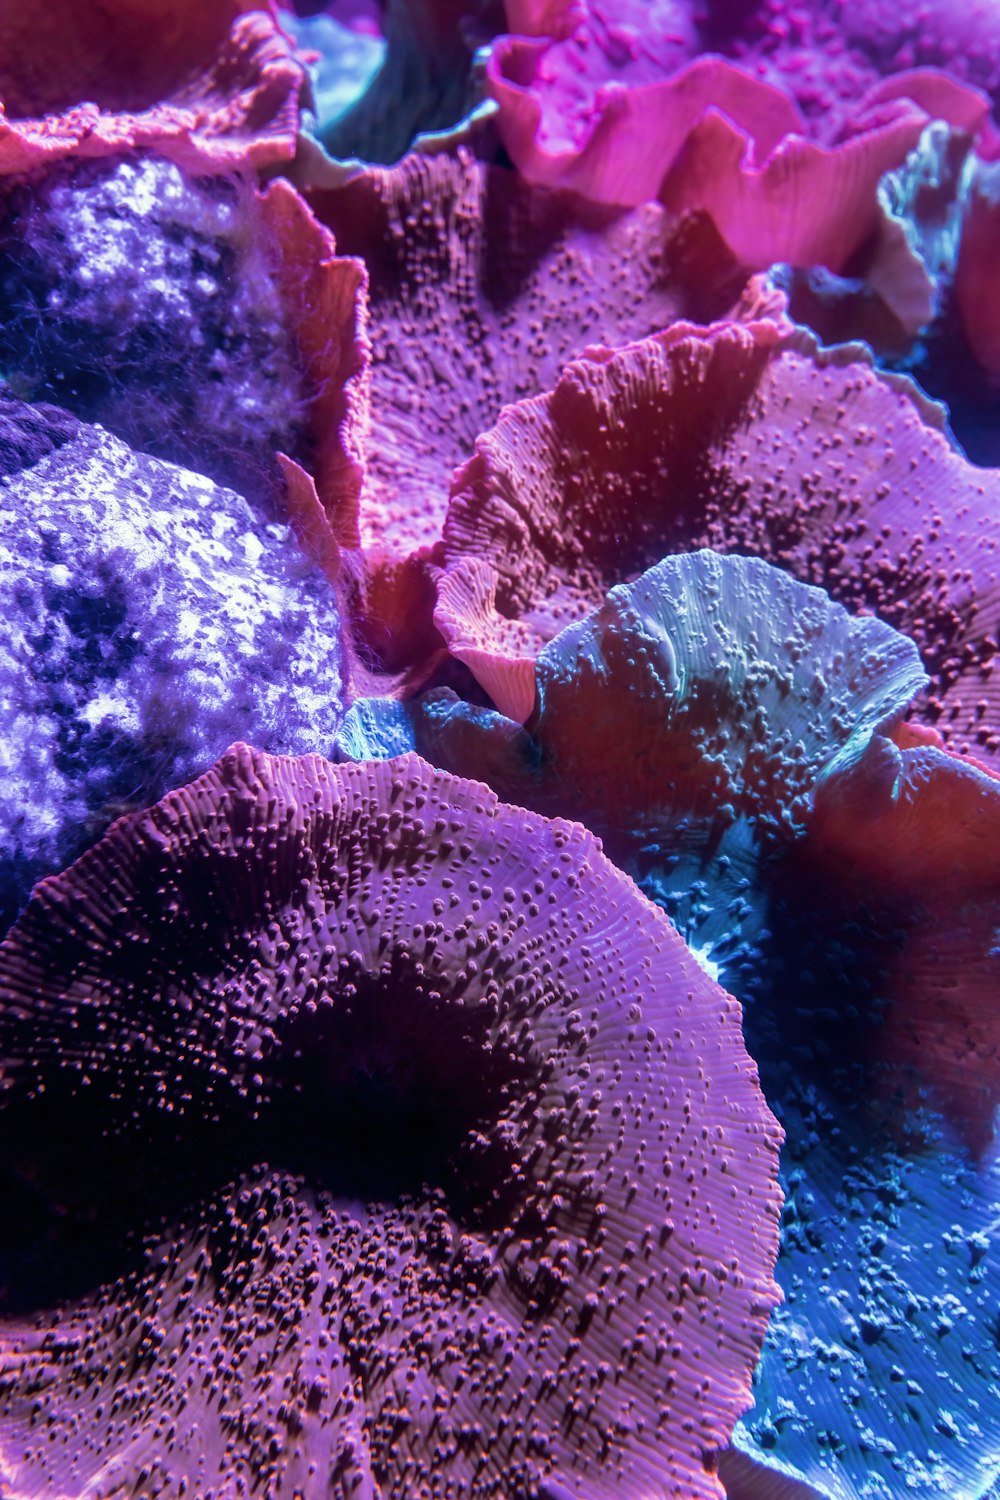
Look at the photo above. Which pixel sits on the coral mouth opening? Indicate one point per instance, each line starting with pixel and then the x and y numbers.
pixel 382 1089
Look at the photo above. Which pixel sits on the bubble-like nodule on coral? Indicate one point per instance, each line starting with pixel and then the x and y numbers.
pixel 150 615
pixel 146 300
pixel 363 1134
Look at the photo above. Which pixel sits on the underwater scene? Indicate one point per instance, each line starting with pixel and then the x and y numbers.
pixel 500 750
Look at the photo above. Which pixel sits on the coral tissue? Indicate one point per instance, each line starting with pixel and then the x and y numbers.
pixel 499 750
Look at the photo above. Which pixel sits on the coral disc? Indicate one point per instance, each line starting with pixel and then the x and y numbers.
pixel 402 1147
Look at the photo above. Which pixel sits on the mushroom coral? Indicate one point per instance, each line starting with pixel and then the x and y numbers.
pixel 148 616
pixel 615 109
pixel 877 1040
pixel 213 84
pixel 200 318
pixel 741 437
pixel 725 731
pixel 688 722
pixel 480 287
pixel 365 1135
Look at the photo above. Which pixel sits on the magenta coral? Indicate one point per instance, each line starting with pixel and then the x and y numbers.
pixel 481 286
pixel 622 110
pixel 915 834
pixel 325 297
pixel 401 1146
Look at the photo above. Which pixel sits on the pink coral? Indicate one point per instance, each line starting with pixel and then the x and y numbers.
pixel 213 85
pixel 914 834
pixel 743 438
pixel 621 109
pixel 481 286
pixel 401 1145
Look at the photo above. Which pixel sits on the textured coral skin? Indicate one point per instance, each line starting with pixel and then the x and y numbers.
pixel 212 84
pixel 848 888
pixel 342 1108
pixel 882 1066
pixel 698 706
pixel 714 137
pixel 480 287
pixel 454 1189
pixel 742 438
pixel 620 108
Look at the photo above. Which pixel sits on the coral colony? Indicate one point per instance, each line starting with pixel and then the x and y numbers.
pixel 499 750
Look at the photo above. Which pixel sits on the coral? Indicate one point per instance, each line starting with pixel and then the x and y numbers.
pixel 743 438
pixel 150 615
pixel 410 1152
pixel 212 84
pixel 364 1136
pixel 688 721
pixel 480 288
pixel 722 729
pixel 181 313
pixel 874 1023
pixel 624 114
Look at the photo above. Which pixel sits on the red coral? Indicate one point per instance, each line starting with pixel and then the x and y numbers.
pixel 326 299
pixel 481 287
pixel 214 86
pixel 402 1147
pixel 742 438
pixel 913 835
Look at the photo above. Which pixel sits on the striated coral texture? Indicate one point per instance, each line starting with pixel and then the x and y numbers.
pixel 212 84
pixel 601 111
pixel 598 400
pixel 743 438
pixel 688 722
pixel 481 286
pixel 719 726
pixel 401 1146
pixel 149 615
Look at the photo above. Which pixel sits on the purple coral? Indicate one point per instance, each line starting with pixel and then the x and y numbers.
pixel 400 1143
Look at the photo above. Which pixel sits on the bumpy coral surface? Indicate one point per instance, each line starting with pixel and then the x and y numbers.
pixel 410 1152
pixel 742 439
pixel 480 287
pixel 211 83
pixel 718 725
pixel 149 615
pixel 570 366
